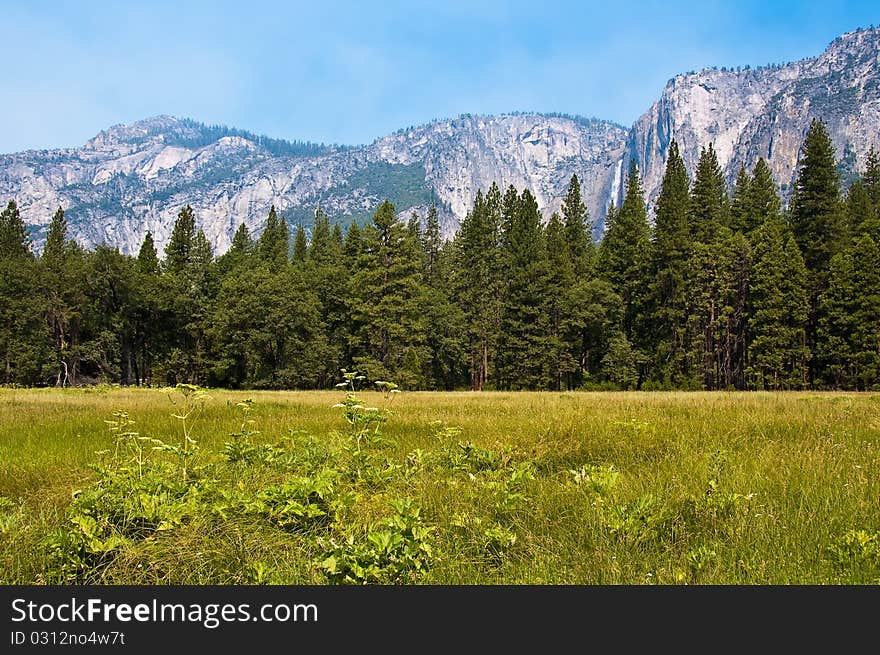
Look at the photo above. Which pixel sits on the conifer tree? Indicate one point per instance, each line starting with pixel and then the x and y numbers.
pixel 668 289
pixel 178 252
pixel 709 204
pixel 300 246
pixel 239 254
pixel 763 199
pixel 578 229
pixel 24 334
pixel 871 177
pixel 432 242
pixel 147 315
pixel 388 333
pixel 625 257
pixel 447 341
pixel 816 215
pixel 740 206
pixel 338 236
pixel 56 243
pixel 861 213
pixel 817 219
pixel 148 258
pixel 478 281
pixel 242 243
pixel 59 263
pixel 560 278
pixel 322 249
pixel 777 350
pixel 272 246
pixel 327 275
pixel 353 244
pixel 848 344
pixel 525 354
pixel 14 239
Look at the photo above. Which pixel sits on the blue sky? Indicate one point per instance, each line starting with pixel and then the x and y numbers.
pixel 348 72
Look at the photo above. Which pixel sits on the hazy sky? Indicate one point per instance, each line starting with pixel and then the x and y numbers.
pixel 348 72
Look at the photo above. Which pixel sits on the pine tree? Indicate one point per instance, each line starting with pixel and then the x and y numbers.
pixel 592 322
pixel 560 278
pixel 239 254
pixel 56 243
pixel 14 239
pixel 848 344
pixel 147 310
pixel 668 288
pixel 327 275
pixel 709 205
pixel 24 334
pixel 478 281
pixel 61 264
pixel 185 292
pixel 272 246
pixel 861 215
pixel 266 331
pixel 353 244
pixel 447 341
pixel 763 200
pixel 740 205
pixel 525 354
pixel 714 278
pixel 179 250
pixel 241 241
pixel 300 246
pixel 322 249
pixel 148 258
pixel 338 236
pixel 388 333
pixel 816 211
pixel 432 243
pixel 578 230
pixel 871 177
pixel 817 219
pixel 777 349
pixel 625 254
pixel 53 260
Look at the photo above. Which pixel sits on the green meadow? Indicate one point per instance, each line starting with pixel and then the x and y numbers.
pixel 190 486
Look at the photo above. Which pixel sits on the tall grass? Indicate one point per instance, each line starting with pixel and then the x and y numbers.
pixel 700 488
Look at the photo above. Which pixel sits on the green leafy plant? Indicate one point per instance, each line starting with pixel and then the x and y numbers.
pixel 191 403
pixel 395 551
pixel 598 479
pixel 857 550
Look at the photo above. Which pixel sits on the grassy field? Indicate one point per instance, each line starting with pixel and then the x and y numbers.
pixel 449 488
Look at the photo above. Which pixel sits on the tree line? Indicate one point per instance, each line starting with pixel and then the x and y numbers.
pixel 725 290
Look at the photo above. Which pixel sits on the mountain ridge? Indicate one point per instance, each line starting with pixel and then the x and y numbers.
pixel 130 178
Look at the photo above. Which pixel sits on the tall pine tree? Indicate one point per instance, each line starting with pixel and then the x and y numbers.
pixel 668 289
pixel 625 255
pixel 777 349
pixel 525 353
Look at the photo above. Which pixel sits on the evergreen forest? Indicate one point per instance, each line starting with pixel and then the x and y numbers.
pixel 725 288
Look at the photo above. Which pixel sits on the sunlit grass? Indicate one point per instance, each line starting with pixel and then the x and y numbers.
pixel 805 467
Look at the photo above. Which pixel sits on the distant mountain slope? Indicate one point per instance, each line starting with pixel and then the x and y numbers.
pixel 134 178
pixel 765 112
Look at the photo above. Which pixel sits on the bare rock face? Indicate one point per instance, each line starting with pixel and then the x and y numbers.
pixel 765 112
pixel 133 178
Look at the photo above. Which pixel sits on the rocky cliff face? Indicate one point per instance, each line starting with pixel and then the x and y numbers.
pixel 134 178
pixel 765 112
